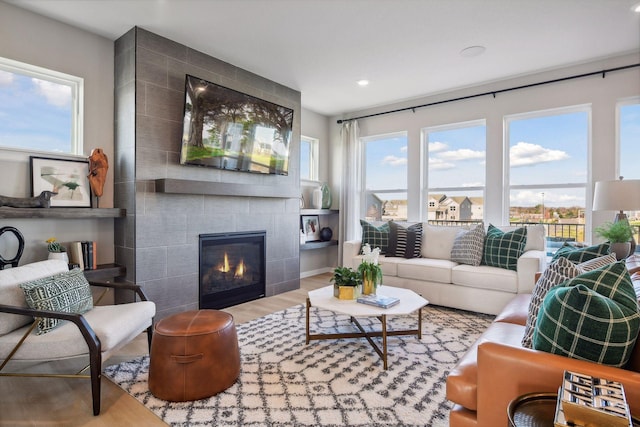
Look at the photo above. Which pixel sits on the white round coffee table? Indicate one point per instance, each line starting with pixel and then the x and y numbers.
pixel 409 303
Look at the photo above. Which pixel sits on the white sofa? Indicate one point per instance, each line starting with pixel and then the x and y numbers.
pixel 443 282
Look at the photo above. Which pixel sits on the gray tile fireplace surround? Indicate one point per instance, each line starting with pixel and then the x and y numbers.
pixel 158 240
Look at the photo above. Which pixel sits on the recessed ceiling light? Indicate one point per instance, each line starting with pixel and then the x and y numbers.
pixel 636 8
pixel 363 82
pixel 471 51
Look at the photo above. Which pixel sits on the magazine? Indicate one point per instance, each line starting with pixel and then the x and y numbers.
pixel 378 300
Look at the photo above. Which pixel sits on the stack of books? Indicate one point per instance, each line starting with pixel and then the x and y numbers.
pixel 585 400
pixel 83 254
pixel 378 300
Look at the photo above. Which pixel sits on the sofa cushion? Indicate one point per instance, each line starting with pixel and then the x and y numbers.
pixel 485 277
pixel 578 255
pixel 558 272
pixel 515 311
pixel 405 242
pixel 389 265
pixel 468 246
pixel 433 270
pixel 503 249
pixel 375 236
pixel 594 316
pixel 67 292
pixel 112 324
pixel 535 236
pixel 437 241
pixel 11 294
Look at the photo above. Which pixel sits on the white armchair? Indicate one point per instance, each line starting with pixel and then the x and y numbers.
pixel 97 333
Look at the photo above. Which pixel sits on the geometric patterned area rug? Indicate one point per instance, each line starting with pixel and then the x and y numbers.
pixel 284 382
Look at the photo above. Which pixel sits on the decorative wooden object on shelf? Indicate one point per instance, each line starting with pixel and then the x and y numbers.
pixel 43 200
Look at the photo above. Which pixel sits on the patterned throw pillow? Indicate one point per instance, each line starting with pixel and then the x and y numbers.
pixel 67 292
pixel 578 255
pixel 376 237
pixel 558 272
pixel 594 316
pixel 405 242
pixel 468 246
pixel 503 249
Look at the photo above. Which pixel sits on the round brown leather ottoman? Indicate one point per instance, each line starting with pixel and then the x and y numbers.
pixel 194 355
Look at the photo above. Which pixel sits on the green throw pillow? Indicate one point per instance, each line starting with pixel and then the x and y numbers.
pixel 593 316
pixel 578 255
pixel 67 292
pixel 503 249
pixel 376 237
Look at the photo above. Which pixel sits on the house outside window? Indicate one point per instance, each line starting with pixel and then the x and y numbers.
pixel 309 158
pixel 547 172
pixel 40 109
pixel 384 177
pixel 455 172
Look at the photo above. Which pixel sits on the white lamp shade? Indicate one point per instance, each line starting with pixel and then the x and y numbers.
pixel 619 195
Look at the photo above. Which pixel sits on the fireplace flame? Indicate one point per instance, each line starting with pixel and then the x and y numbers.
pixel 224 268
pixel 239 270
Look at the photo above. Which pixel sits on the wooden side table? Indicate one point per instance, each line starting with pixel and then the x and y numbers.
pixel 537 410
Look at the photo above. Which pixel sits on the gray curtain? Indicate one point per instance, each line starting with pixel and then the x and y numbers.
pixel 349 227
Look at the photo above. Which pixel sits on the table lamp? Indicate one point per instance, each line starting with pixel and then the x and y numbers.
pixel 618 195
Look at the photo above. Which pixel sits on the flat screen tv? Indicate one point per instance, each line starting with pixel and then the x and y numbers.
pixel 227 129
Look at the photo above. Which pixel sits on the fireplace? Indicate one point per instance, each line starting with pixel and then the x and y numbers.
pixel 232 268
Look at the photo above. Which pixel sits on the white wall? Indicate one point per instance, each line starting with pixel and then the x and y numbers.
pixel 34 39
pixel 601 93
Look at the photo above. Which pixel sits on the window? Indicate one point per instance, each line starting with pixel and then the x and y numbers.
pixel 547 171
pixel 308 158
pixel 629 138
pixel 455 172
pixel 385 177
pixel 40 109
pixel 628 115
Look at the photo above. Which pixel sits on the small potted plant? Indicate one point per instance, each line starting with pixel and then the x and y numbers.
pixel 56 250
pixel 370 270
pixel 619 234
pixel 347 283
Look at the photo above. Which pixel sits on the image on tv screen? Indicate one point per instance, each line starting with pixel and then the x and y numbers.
pixel 227 129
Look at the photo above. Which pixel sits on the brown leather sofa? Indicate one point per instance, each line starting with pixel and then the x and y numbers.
pixel 497 369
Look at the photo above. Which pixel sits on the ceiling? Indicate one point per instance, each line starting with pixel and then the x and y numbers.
pixel 406 48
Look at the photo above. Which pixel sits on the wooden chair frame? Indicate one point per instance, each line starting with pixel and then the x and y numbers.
pixel 92 340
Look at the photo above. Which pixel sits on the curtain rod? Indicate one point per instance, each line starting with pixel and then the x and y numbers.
pixel 495 92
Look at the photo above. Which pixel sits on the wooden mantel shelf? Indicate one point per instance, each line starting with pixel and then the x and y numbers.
pixel 61 213
pixel 207 188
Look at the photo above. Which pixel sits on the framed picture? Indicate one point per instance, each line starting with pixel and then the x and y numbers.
pixel 67 178
pixel 311 227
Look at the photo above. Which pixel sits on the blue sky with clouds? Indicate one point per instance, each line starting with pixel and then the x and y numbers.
pixel 34 113
pixel 630 141
pixel 543 150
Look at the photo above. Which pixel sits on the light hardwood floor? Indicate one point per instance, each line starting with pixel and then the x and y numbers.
pixel 67 402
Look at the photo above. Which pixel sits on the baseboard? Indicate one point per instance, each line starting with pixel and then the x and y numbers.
pixel 310 273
